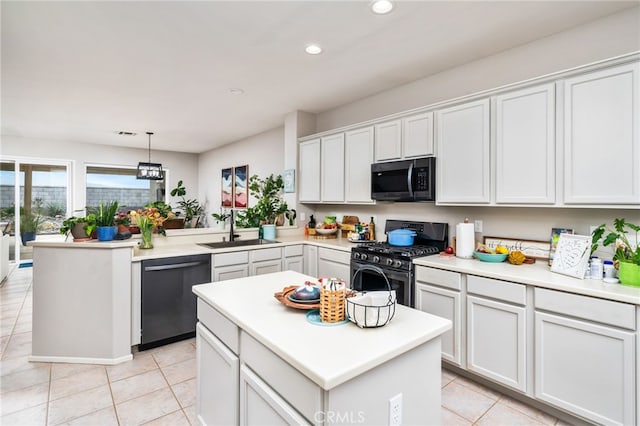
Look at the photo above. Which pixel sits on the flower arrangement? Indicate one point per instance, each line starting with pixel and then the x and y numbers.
pixel 148 220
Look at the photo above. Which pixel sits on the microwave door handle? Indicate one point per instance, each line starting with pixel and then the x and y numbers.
pixel 409 179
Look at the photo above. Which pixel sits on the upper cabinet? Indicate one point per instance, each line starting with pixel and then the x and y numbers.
pixel 357 165
pixel 309 175
pixel 332 168
pixel 409 137
pixel 463 153
pixel 601 145
pixel 525 146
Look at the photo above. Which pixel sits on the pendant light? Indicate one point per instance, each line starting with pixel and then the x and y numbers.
pixel 150 171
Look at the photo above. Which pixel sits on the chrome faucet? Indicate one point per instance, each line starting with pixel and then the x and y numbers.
pixel 232 236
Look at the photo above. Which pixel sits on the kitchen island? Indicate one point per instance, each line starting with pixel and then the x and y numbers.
pixel 259 360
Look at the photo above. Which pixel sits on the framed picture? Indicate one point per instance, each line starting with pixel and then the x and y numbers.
pixel 240 196
pixel 555 237
pixel 289 178
pixel 227 188
pixel 530 248
pixel 572 255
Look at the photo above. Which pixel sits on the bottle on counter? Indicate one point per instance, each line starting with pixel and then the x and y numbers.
pixel 372 230
pixel 596 269
pixel 609 270
pixel 312 222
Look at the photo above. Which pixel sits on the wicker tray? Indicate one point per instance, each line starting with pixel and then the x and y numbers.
pixel 283 297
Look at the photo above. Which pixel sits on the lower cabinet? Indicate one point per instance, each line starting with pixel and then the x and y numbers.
pixel 217 400
pixel 293 258
pixel 334 263
pixel 261 405
pixel 230 272
pixel 582 366
pixel 310 266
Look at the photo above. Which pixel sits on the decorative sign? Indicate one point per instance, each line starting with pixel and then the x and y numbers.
pixel 289 178
pixel 530 248
pixel 555 237
pixel 227 187
pixel 572 255
pixel 241 196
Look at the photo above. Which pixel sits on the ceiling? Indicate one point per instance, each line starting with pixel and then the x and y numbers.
pixel 84 70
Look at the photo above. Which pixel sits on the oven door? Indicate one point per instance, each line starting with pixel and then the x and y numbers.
pixel 368 280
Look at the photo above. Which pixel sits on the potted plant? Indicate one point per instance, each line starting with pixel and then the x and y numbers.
pixel 221 217
pixel 80 228
pixel 106 220
pixel 30 224
pixel 271 204
pixel 627 253
pixel 166 212
pixel 191 209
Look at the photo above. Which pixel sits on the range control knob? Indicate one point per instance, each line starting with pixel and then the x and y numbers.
pixel 364 256
pixel 389 262
pixel 376 259
pixel 397 263
pixel 356 255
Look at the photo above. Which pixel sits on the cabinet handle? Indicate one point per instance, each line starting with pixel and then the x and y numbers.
pixel 173 266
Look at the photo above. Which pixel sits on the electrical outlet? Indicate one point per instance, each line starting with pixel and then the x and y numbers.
pixel 395 410
pixel 477 226
pixel 303 216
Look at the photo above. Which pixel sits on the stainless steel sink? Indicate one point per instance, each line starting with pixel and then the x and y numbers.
pixel 238 243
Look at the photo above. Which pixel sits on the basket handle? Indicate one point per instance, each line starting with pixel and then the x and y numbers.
pixel 375 269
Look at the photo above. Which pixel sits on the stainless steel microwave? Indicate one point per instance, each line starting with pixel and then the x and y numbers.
pixel 406 180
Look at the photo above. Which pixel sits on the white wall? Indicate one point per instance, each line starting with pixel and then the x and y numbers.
pixel 608 37
pixel 264 153
pixel 179 166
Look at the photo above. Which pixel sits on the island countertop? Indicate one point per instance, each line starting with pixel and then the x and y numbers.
pixel 327 355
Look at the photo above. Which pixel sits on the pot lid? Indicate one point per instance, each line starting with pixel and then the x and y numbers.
pixel 402 232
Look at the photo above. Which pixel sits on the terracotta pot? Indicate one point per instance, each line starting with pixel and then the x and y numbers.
pixel 175 223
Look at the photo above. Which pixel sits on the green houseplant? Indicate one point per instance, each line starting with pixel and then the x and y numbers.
pixel 221 217
pixel 192 209
pixel 269 192
pixel 80 228
pixel 106 220
pixel 627 253
pixel 30 224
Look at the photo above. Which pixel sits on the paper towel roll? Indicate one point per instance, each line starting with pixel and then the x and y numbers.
pixel 465 240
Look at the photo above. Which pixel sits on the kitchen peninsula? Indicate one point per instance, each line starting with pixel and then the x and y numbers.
pixel 258 359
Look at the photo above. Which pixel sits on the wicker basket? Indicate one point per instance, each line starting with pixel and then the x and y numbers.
pixel 332 302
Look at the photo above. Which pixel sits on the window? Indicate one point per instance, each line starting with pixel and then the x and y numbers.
pixel 108 183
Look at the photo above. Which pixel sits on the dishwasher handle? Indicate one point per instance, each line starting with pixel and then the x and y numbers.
pixel 173 266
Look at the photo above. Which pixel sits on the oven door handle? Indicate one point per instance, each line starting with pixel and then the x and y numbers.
pixel 371 268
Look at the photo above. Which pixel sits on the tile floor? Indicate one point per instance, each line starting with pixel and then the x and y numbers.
pixel 158 386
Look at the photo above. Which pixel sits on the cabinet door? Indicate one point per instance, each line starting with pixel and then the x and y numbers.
pixel 311 260
pixel 261 405
pixel 294 264
pixel 463 153
pixel 496 341
pixel 266 267
pixel 230 272
pixel 217 380
pixel 446 304
pixel 601 142
pixel 327 268
pixel 585 368
pixel 358 159
pixel 309 171
pixel 388 140
pixel 417 135
pixel 525 146
pixel 332 168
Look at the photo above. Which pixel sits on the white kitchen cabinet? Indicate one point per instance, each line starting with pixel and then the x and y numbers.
pixel 417 135
pixel 265 261
pixel 496 330
pixel 463 145
pixel 585 356
pixel 525 146
pixel 293 258
pixel 357 165
pixel 260 405
pixel 601 141
pixel 230 272
pixel 438 293
pixel 388 144
pixel 310 260
pixel 217 380
pixel 309 171
pixel 226 266
pixel 332 168
pixel 334 263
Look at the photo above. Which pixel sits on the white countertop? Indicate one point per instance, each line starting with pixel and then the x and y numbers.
pixel 537 274
pixel 328 355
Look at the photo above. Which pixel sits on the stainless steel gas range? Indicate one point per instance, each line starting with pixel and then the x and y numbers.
pixel 396 261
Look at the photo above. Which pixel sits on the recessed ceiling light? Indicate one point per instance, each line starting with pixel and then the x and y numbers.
pixel 236 91
pixel 313 49
pixel 382 6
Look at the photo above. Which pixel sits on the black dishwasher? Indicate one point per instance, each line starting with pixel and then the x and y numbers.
pixel 168 304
